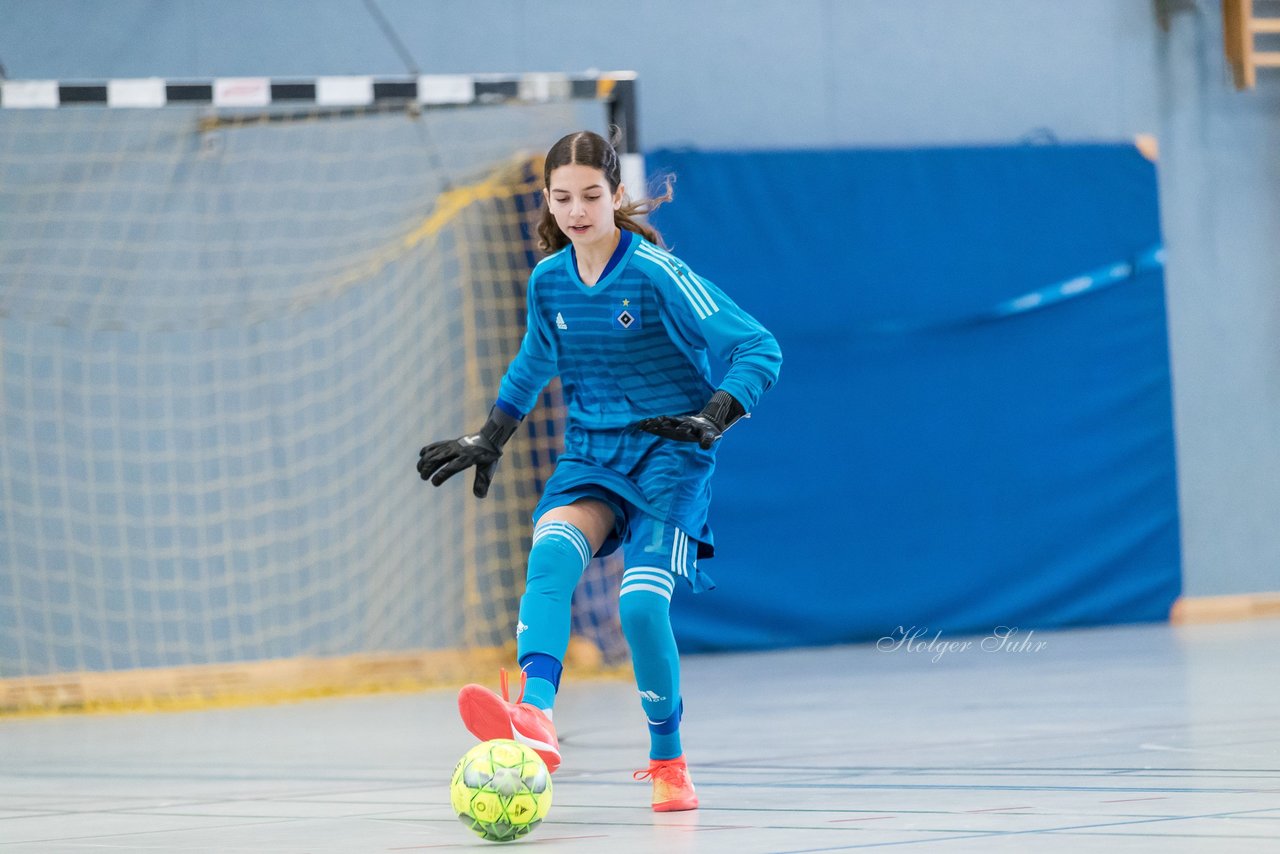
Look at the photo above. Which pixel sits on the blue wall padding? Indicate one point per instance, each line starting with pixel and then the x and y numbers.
pixel 923 463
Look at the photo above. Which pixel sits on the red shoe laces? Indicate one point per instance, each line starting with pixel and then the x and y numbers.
pixel 665 771
pixel 524 679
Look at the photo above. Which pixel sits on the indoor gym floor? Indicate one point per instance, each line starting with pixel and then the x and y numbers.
pixel 1133 738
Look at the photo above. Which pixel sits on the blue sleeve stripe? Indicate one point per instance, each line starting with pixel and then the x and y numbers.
pixel 703 309
pixel 509 408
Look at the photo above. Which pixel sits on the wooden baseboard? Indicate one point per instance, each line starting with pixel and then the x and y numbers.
pixel 1214 609
pixel 262 682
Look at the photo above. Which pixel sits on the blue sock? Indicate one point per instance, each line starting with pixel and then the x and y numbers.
pixel 559 555
pixel 664 736
pixel 644 605
pixel 543 683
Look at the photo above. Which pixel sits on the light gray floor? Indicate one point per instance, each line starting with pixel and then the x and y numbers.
pixel 1143 738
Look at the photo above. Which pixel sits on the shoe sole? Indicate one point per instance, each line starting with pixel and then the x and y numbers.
pixel 676 806
pixel 486 716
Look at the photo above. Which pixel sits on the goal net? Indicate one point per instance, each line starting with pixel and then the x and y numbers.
pixel 224 335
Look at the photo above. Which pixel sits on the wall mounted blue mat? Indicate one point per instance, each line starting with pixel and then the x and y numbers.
pixel 974 423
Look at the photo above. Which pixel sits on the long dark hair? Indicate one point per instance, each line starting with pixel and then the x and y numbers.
pixel 591 149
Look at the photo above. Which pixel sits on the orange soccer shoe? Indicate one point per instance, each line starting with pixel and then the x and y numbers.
pixel 488 716
pixel 672 787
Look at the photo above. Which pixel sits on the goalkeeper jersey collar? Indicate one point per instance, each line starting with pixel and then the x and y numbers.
pixel 625 242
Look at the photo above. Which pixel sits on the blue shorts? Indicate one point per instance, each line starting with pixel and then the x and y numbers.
pixel 659 491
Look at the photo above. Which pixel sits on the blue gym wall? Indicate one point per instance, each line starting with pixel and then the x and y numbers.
pixel 825 74
pixel 974 426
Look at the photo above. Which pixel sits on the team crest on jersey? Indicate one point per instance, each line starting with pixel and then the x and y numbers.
pixel 625 315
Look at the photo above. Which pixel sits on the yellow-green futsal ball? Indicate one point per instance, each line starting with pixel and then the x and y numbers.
pixel 501 790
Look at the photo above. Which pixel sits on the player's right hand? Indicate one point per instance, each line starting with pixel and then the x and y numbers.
pixel 440 461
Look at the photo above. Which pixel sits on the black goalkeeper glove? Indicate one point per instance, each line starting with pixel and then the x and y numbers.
pixel 705 428
pixel 440 461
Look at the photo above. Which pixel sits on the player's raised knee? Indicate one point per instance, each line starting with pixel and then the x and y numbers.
pixel 644 602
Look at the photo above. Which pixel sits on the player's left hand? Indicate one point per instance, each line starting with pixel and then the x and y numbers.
pixel 682 428
pixel 705 428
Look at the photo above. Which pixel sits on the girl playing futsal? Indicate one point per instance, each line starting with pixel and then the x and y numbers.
pixel 627 326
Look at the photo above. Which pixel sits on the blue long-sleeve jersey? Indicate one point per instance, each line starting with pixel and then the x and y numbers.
pixel 635 344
